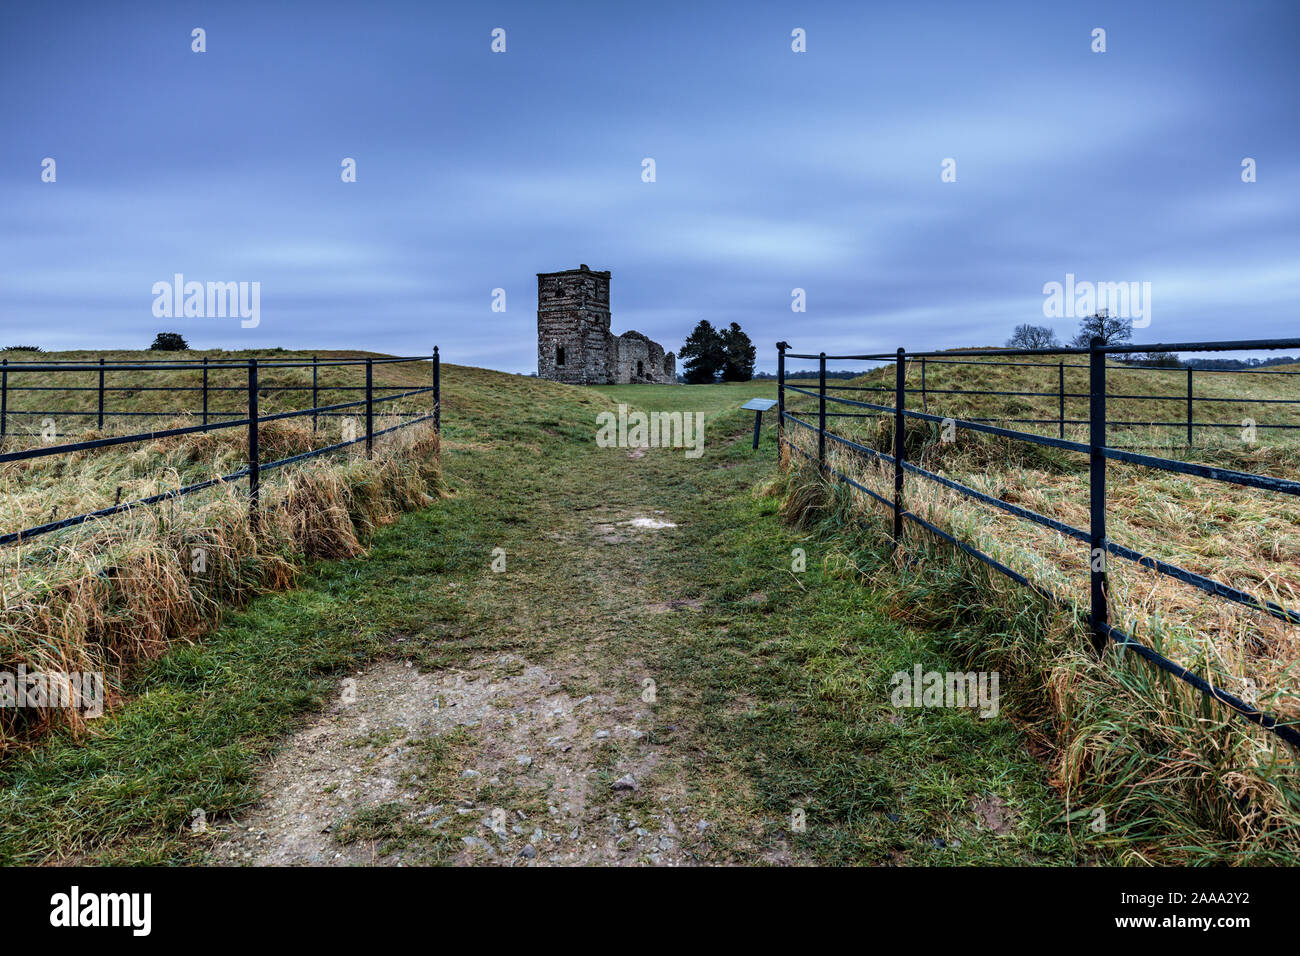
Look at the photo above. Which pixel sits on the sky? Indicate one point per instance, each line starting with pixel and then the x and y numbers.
pixel 774 170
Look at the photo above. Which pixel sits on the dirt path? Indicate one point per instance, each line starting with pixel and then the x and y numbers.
pixel 612 663
pixel 580 655
pixel 536 773
pixel 523 731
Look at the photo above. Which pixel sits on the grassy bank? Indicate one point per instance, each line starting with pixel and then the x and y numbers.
pixel 108 594
pixel 1178 780
pixel 773 684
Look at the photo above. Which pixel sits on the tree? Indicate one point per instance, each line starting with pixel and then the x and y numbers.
pixel 704 353
pixel 739 363
pixel 169 342
pixel 1157 359
pixel 1111 329
pixel 1033 337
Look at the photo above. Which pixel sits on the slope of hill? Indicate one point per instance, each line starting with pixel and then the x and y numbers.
pixel 1246 537
pixel 1103 720
pixel 1137 396
pixel 105 594
pixel 565 617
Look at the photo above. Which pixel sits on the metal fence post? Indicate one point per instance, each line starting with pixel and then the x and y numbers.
pixel 315 401
pixel 1099 614
pixel 1189 408
pixel 437 393
pixel 780 397
pixel 1060 399
pixel 370 410
pixel 101 394
pixel 821 415
pixel 900 398
pixel 205 389
pixel 254 460
pixel 4 398
pixel 925 404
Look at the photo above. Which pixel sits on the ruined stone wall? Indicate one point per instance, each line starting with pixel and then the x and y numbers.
pixel 574 343
pixel 639 359
pixel 633 358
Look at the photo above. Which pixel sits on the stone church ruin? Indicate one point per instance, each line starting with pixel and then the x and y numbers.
pixel 574 343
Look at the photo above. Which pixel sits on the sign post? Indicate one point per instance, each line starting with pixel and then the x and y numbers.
pixel 759 406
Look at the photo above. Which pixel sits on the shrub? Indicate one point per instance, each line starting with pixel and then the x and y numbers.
pixel 169 342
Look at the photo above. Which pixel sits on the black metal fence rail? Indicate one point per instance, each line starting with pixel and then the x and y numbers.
pixel 1186 398
pixel 205 365
pixel 248 418
pixel 1098 452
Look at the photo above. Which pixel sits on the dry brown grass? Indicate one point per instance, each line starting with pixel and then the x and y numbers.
pixel 1179 779
pixel 1149 748
pixel 1247 538
pixel 110 593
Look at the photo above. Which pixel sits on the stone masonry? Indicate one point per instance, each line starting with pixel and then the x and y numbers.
pixel 574 343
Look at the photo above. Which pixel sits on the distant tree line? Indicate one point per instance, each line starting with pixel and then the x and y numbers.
pixel 1113 330
pixel 1240 363
pixel 163 342
pixel 813 373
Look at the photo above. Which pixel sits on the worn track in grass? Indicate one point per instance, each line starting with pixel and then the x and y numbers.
pixel 416 706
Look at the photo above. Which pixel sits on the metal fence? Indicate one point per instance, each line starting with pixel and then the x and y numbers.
pixel 1098 452
pixel 248 417
pixel 1185 400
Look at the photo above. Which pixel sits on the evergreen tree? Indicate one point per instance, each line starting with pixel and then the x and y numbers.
pixel 739 363
pixel 704 354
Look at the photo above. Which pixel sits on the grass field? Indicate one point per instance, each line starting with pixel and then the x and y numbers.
pixel 106 594
pixel 1247 538
pixel 773 680
pixel 1136 394
pixel 773 686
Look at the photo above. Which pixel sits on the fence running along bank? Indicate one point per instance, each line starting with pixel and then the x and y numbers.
pixel 248 418
pixel 1098 452
pixel 1186 398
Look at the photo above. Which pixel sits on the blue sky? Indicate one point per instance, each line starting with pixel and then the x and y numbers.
pixel 775 170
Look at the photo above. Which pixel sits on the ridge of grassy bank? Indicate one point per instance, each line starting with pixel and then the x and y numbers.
pixel 1164 776
pixel 103 596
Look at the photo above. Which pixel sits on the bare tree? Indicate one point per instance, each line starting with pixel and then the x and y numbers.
pixel 1033 337
pixel 1111 329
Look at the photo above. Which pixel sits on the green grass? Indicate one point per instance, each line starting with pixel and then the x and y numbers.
pixel 796 687
pixel 1181 781
pixel 773 686
pixel 712 400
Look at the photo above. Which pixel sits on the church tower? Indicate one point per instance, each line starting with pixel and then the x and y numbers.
pixel 573 326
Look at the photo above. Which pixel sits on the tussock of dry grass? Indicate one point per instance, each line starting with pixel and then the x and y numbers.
pixel 1150 749
pixel 1243 537
pixel 110 593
